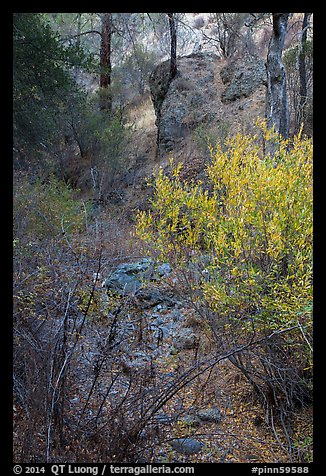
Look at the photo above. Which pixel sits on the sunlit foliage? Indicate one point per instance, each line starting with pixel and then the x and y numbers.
pixel 251 226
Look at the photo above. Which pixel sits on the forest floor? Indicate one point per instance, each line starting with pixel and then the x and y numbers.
pixel 144 360
pixel 241 434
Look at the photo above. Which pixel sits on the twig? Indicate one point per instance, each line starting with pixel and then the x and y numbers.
pixel 53 400
pixel 304 336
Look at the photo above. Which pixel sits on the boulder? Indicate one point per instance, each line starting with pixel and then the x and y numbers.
pixel 183 104
pixel 137 278
pixel 150 297
pixel 185 338
pixel 164 269
pixel 191 420
pixel 210 415
pixel 159 81
pixel 129 277
pixel 186 446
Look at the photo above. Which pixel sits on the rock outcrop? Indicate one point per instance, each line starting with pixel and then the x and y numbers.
pixel 210 415
pixel 242 78
pixel 180 104
pixel 186 446
pixel 200 94
pixel 159 82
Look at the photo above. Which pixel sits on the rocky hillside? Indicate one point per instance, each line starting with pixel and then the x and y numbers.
pixel 206 93
pixel 207 100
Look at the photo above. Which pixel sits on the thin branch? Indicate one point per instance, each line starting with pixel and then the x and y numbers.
pixel 71 37
pixel 304 336
pixel 52 407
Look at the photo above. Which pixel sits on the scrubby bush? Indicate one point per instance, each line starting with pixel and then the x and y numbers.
pixel 132 74
pixel 45 209
pixel 227 32
pixel 243 250
pixel 101 137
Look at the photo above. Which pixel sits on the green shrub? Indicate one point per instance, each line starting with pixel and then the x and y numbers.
pixel 102 139
pixel 45 210
pixel 42 82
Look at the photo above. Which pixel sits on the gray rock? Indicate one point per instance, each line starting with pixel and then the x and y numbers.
pixel 210 415
pixel 159 82
pixel 164 269
pixel 180 104
pixel 129 277
pixel 185 338
pixel 242 79
pixel 192 420
pixel 150 297
pixel 163 418
pixel 186 446
pixel 173 123
pixel 159 308
pixel 207 79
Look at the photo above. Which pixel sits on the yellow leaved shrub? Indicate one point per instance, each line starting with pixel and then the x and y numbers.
pixel 250 227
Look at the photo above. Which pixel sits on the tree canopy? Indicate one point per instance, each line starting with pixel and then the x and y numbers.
pixel 43 81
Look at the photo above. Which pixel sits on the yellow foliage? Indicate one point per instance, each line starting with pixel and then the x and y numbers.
pixel 255 225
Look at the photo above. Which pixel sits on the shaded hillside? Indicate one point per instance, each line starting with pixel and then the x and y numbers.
pixel 193 115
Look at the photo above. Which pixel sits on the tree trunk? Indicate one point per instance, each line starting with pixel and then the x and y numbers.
pixel 77 68
pixel 105 58
pixel 302 70
pixel 277 110
pixel 173 35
